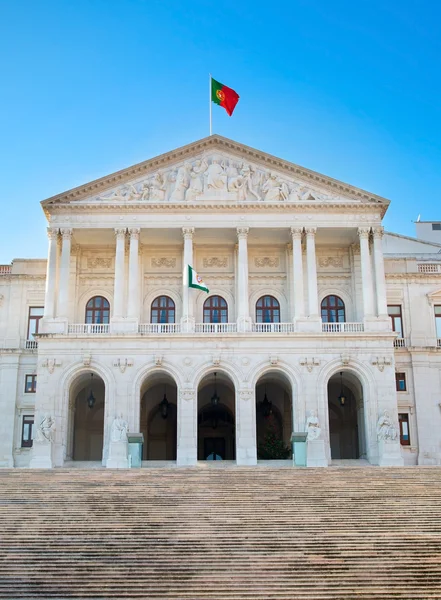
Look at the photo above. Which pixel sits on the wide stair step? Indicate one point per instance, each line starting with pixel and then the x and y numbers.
pixel 238 533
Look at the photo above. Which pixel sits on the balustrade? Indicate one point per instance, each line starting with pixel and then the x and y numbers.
pixel 88 328
pixel 342 327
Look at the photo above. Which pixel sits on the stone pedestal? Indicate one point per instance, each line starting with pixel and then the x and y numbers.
pixel 187 325
pixel 118 455
pixel 58 325
pixel 309 325
pixel 244 324
pixel 41 455
pixel 315 454
pixel 389 453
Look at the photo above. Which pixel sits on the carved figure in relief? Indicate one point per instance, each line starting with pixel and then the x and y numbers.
pixel 181 184
pixel 275 189
pixel 119 430
pixel 157 187
pixel 386 430
pixel 235 181
pixel 119 194
pixel 45 433
pixel 196 186
pixel 312 426
pixel 145 191
pixel 216 175
pixel 247 185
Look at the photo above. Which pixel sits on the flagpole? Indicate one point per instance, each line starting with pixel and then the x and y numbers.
pixel 209 100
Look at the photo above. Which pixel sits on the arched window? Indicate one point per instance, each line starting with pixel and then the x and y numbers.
pixel 215 310
pixel 267 310
pixel 98 310
pixel 163 310
pixel 333 310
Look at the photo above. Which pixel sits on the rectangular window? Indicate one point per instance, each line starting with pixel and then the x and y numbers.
pixel 436 226
pixel 35 314
pixel 438 321
pixel 403 419
pixel 400 382
pixel 27 431
pixel 394 312
pixel 30 384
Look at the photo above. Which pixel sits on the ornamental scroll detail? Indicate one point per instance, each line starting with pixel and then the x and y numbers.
pixel 169 263
pixel 93 263
pixel 215 261
pixel 267 261
pixel 331 261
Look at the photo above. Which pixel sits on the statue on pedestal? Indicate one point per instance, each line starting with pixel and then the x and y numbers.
pixel 386 430
pixel 45 433
pixel 312 426
pixel 119 430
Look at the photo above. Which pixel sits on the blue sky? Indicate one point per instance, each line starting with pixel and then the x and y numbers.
pixel 349 89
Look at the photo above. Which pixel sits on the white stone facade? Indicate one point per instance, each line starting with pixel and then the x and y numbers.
pixel 252 226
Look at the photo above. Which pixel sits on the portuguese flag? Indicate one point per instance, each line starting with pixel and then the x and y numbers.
pixel 224 96
pixel 195 280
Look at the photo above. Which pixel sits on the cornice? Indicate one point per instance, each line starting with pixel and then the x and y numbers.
pixel 415 276
pixel 217 143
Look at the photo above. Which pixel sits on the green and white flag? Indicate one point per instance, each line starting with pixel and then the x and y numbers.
pixel 195 280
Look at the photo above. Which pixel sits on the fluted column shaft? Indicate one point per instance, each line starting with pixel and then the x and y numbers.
pixel 64 275
pixel 312 272
pixel 187 306
pixel 133 300
pixel 51 274
pixel 242 273
pixel 366 271
pixel 297 268
pixel 380 280
pixel 118 301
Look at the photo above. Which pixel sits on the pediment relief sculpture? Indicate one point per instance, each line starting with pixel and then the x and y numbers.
pixel 217 178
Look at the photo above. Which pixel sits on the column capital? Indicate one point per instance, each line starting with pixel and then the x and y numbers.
pixel 310 231
pixel 188 233
pixel 52 233
pixel 364 232
pixel 297 232
pixel 66 234
pixel 134 233
pixel 120 233
pixel 242 232
pixel 378 232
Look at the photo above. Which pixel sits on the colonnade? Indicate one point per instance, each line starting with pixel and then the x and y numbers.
pixel 373 279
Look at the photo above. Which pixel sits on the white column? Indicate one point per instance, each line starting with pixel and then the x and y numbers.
pixel 297 267
pixel 51 274
pixel 312 272
pixel 243 319
pixel 187 306
pixel 64 275
pixel 366 271
pixel 118 295
pixel 133 301
pixel 380 281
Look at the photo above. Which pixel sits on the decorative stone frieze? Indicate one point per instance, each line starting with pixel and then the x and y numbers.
pixel 51 363
pixel 93 263
pixel 123 363
pixel 215 261
pixel 331 261
pixel 309 363
pixel 381 362
pixel 267 261
pixel 168 263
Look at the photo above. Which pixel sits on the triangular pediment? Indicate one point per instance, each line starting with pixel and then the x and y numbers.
pixel 215 170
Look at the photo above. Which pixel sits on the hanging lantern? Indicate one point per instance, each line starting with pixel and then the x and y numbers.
pixel 215 398
pixel 164 406
pixel 91 398
pixel 266 406
pixel 342 397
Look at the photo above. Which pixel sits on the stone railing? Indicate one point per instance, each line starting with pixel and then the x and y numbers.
pixel 215 328
pixel 342 327
pixel 273 327
pixel 400 342
pixel 88 328
pixel 5 269
pixel 29 344
pixel 146 328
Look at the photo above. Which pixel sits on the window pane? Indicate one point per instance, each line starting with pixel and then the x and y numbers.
pixel 394 310
pixel 398 326
pixel 438 310
pixel 36 311
pixel 438 327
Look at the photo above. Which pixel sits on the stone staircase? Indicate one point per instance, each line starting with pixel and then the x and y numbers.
pixel 316 534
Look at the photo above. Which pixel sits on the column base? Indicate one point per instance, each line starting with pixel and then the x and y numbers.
pixel 41 456
pixel 118 456
pixel 187 457
pixel 120 325
pixel 389 453
pixel 55 325
pixel 246 457
pixel 187 325
pixel 308 324
pixel 244 324
pixel 315 454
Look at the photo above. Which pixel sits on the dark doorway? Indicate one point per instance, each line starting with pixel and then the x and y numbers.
pixel 214 448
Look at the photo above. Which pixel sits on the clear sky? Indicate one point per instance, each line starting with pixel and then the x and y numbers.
pixel 349 88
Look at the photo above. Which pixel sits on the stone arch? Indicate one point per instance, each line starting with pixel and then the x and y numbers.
pixel 141 376
pixel 67 380
pixel 225 367
pixel 151 295
pixel 84 299
pixel 369 397
pixel 279 295
pixel 341 293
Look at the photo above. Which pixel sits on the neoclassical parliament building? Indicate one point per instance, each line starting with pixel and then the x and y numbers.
pixel 316 319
